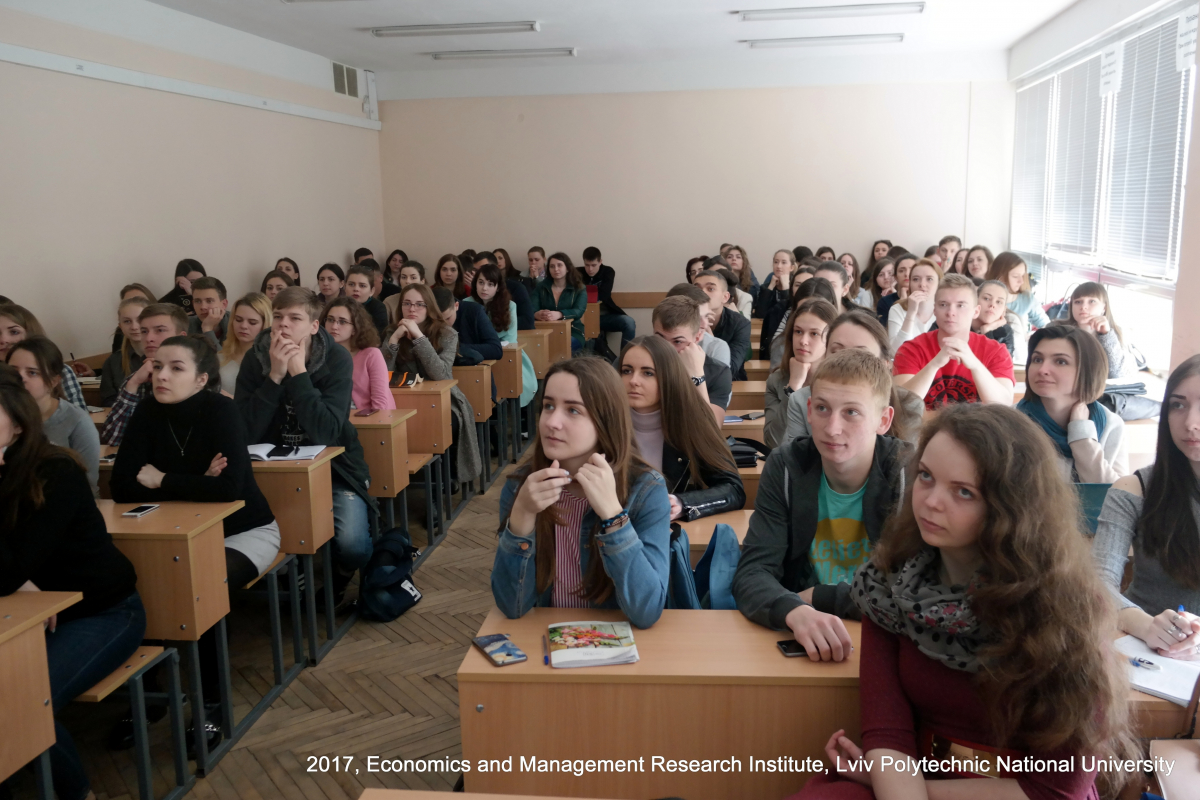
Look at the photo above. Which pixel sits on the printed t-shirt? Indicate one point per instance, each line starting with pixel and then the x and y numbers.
pixel 840 545
pixel 952 383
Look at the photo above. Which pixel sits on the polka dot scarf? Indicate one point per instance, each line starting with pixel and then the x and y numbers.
pixel 913 603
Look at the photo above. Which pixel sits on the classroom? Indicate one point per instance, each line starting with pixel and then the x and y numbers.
pixel 659 399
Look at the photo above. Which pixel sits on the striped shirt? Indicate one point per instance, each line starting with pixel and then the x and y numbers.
pixel 568 570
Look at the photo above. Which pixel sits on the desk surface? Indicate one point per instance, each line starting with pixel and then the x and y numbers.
pixel 683 647
pixel 20 611
pixel 172 520
pixel 700 531
pixel 750 388
pixel 426 387
pixel 380 418
pixel 307 465
pixel 749 428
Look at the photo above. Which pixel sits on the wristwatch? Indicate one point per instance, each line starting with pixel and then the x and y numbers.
pixel 697 381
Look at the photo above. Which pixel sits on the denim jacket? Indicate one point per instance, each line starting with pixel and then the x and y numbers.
pixel 635 556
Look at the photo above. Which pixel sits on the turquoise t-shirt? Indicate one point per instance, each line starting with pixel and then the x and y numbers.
pixel 840 545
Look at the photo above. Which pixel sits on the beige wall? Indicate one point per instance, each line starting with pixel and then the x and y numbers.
pixel 103 184
pixel 655 178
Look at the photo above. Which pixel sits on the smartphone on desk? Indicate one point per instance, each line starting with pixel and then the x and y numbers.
pixel 140 511
pixel 791 648
pixel 365 412
pixel 500 650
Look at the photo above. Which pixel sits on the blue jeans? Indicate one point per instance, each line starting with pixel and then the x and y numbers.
pixel 619 322
pixel 80 653
pixel 352 545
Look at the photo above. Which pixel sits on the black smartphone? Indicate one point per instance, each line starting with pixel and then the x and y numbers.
pixel 791 648
pixel 140 511
pixel 281 450
pixel 365 412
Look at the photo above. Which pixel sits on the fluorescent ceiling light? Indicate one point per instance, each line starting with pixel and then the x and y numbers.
pixel 461 28
pixel 825 41
pixel 535 53
pixel 830 12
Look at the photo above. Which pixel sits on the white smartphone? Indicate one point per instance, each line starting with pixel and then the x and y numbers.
pixel 140 511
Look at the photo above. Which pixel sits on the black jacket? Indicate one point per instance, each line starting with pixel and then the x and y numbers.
pixel 377 311
pixel 520 296
pixel 475 330
pixel 603 281
pixel 724 493
pixel 180 298
pixel 734 329
pixel 771 305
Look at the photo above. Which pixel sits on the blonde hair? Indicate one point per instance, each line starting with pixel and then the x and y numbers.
pixel 857 367
pixel 126 345
pixel 924 262
pixel 258 302
pixel 954 280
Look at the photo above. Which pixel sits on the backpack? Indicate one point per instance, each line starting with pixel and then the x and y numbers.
pixel 710 585
pixel 386 590
pixel 745 451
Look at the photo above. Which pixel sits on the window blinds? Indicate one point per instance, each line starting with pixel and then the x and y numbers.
pixel 1075 182
pixel 1031 153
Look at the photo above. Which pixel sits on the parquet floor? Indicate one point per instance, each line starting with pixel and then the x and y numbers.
pixel 387 689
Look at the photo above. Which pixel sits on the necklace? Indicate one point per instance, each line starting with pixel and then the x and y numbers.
pixel 187 439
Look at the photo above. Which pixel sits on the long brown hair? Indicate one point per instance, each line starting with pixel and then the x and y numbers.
pixel 432 327
pixel 924 262
pixel 49 362
pixel 603 395
pixel 497 308
pixel 509 269
pixel 23 317
pixel 459 288
pixel 821 309
pixel 571 279
pixel 1005 263
pixel 365 333
pixel 873 275
pixel 743 277
pixel 1097 290
pixel 687 424
pixel 1051 679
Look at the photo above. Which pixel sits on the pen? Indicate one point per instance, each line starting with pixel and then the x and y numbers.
pixel 1144 663
pixel 1181 609
pixel 545 651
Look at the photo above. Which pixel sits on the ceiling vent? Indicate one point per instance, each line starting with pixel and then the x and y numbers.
pixel 345 80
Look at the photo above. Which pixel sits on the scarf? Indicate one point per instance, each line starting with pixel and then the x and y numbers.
pixel 1031 406
pixel 913 603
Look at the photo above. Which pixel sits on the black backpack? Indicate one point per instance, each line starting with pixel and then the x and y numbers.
pixel 386 590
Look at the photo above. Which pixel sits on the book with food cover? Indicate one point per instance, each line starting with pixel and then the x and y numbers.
pixel 591 644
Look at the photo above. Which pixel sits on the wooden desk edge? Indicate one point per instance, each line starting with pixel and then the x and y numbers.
pixel 398 415
pixel 230 507
pixel 56 602
pixel 306 465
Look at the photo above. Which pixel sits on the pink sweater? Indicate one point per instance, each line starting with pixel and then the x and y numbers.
pixel 370 388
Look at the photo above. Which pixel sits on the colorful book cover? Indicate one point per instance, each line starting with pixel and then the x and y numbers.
pixel 591 644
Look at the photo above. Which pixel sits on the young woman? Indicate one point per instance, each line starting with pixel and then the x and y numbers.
pixel 694 267
pixel 902 265
pixel 1064 381
pixel 1155 511
pixel 275 282
pixel 39 363
pixel 585 522
pixel 125 360
pixel 423 343
pixel 811 286
pixel 251 314
pixel 992 321
pixel 127 291
pixel 561 295
pixel 692 455
pixel 18 323
pixel 507 268
pixel 978 263
pixel 490 290
pixel 912 315
pixel 826 254
pixel 982 573
pixel 801 352
pixel 775 297
pixel 53 539
pixel 858 329
pixel 959 263
pixel 289 267
pixel 1011 270
pixel 739 264
pixel 859 294
pixel 391 271
pixel 330 282
pixel 879 251
pixel 1092 311
pixel 882 280
pixel 449 273
pixel 349 324
pixel 186 271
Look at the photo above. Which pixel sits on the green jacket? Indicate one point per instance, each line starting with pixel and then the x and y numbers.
pixel 572 303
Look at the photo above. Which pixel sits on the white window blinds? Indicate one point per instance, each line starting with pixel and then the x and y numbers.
pixel 1075 186
pixel 1031 153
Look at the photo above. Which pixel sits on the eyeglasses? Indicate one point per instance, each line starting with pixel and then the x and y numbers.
pixel 408 305
pixel 335 321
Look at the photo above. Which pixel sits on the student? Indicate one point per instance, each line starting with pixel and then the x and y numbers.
pixel 858 329
pixel 882 280
pixel 53 539
pixel 858 293
pixel 275 282
pixel 952 364
pixel 294 389
pixel 959 263
pixel 1010 269
pixel 821 506
pixel 740 301
pixel 507 268
pixel 931 253
pixel 128 358
pixel 127 291
pixel 677 319
pixel 158 322
pixel 714 348
pixel 912 315
pixel 825 254
pixel 812 288
pixel 187 271
pixel 491 292
pixel 347 323
pixel 978 263
pixel 360 282
pixel 288 267
pixel 903 264
pixel 251 315
pixel 211 306
pixel 691 454
pixel 515 290
pixel 803 349
pixel 728 325
pixel 775 296
pixel 836 274
pixel 39 363
pixel 466 258
pixel 391 273
pixel 362 254
pixel 411 272
pixel 561 295
pixel 18 323
pixel 992 321
pixel 331 282
pixel 739 263
pixel 981 575
pixel 477 338
pixel 947 247
pixel 596 273
pixel 537 269
pixel 424 343
pixel 584 522
pixel 694 266
pixel 1092 311
pixel 1154 512
pixel 449 273
pixel 879 251
pixel 1065 379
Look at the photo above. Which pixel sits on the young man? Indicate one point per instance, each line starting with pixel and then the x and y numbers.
pixel 537 263
pixel 596 273
pixel 836 274
pixel 728 325
pixel 947 247
pixel 159 322
pixel 677 319
pixel 516 291
pixel 211 305
pixel 714 348
pixel 360 285
pixel 361 253
pixel 952 364
pixel 822 503
pixel 294 389
pixel 477 338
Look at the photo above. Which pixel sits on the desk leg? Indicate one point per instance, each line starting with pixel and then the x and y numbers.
pixel 196 694
pixel 333 633
pixel 183 781
pixel 224 681
pixel 483 434
pixel 402 498
pixel 298 659
pixel 389 513
pixel 310 607
pixel 41 771
pixel 502 434
pixel 516 430
pixel 141 738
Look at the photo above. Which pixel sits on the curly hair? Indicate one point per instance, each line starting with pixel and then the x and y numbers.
pixel 365 333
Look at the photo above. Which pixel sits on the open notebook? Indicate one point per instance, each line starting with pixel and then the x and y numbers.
pixel 263 452
pixel 1174 681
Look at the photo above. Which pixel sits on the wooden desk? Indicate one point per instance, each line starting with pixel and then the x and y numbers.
pixel 178 551
pixel 591 321
pixel 748 395
pixel 300 494
pixel 24 676
pixel 1184 781
pixel 710 685
pixel 700 532
pixel 91 393
pixel 99 417
pixel 507 372
pixel 750 477
pixel 384 438
pixel 757 370
pixel 476 383
pixel 537 345
pixel 747 428
pixel 560 339
pixel 1155 718
pixel 413 794
pixel 430 430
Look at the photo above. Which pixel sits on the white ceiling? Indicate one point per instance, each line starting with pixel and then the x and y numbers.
pixel 663 40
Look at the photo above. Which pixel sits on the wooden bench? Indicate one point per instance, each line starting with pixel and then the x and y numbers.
pixel 748 395
pixel 757 370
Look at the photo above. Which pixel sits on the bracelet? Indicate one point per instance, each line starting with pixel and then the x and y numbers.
pixel 619 520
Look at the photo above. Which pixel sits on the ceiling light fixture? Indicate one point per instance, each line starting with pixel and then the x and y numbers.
pixel 562 52
pixel 826 41
pixel 456 29
pixel 831 12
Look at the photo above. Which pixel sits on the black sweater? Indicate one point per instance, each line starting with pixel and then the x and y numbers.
pixel 180 298
pixel 64 546
pixel 205 424
pixel 603 280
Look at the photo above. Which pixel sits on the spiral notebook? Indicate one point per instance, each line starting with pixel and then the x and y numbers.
pixel 1175 680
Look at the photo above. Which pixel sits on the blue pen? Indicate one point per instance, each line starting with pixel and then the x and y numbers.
pixel 1181 609
pixel 1144 663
